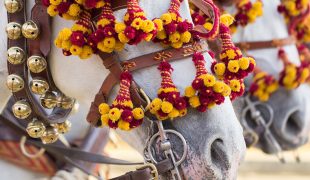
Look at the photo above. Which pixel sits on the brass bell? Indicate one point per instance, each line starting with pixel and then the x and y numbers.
pixel 65 102
pixel 50 135
pixel 13 30
pixel 30 30
pixel 16 55
pixel 36 64
pixel 21 109
pixel 48 100
pixel 15 83
pixel 35 129
pixel 64 127
pixel 39 86
pixel 13 6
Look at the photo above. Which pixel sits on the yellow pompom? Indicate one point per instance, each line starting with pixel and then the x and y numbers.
pixel 148 37
pixel 101 46
pixel 244 63
pixel 264 97
pixel 175 37
pixel 78 27
pixel 123 125
pixel 122 37
pixel 226 91
pixel 186 37
pixel 219 69
pixel 211 105
pixel 156 104
pixel 231 54
pixel 159 24
pixel 166 107
pixel 104 120
pixel 75 50
pixel 190 91
pixel 52 10
pixel 137 23
pixel 219 87
pixel 235 85
pixel 66 45
pixel 148 26
pixel 166 18
pixel 74 10
pixel 233 66
pixel 80 1
pixel 58 42
pixel 104 108
pixel 194 101
pixel 65 34
pixel 174 113
pixel 67 16
pixel 103 22
pixel 182 112
pixel 304 75
pixel 55 2
pixel 227 19
pixel 208 26
pixel 87 52
pixel 177 45
pixel 109 42
pixel 100 4
pixel 119 46
pixel 173 16
pixel 114 114
pixel 208 80
pixel 120 27
pixel 272 88
pixel 138 113
pixel 161 35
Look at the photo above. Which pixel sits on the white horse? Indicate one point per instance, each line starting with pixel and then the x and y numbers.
pixel 291 124
pixel 214 138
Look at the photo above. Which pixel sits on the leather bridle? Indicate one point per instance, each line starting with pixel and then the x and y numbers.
pixel 40 48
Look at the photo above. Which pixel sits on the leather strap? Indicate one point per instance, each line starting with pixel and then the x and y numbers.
pixel 266 44
pixel 112 63
pixel 119 4
pixel 41 46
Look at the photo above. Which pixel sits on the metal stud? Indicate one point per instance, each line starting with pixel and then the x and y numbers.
pixel 13 30
pixel 50 135
pixel 65 102
pixel 35 128
pixel 15 83
pixel 21 109
pixel 36 64
pixel 39 86
pixel 16 55
pixel 13 6
pixel 63 127
pixel 30 30
pixel 48 100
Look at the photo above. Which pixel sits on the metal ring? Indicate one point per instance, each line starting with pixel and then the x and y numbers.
pixel 26 153
pixel 246 109
pixel 154 137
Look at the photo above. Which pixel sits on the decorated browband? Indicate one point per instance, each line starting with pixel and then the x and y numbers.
pixel 170 29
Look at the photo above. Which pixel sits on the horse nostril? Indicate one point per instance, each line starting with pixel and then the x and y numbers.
pixel 218 154
pixel 294 124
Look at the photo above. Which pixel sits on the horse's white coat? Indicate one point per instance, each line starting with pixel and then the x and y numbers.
pixel 82 79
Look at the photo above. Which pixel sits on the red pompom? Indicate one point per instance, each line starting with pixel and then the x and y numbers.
pixel 127 115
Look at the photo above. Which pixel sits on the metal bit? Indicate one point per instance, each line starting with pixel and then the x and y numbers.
pixel 166 147
pixel 259 120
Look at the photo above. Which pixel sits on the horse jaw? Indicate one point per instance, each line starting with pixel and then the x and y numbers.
pixel 291 123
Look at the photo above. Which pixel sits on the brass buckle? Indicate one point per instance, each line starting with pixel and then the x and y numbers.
pixel 153 168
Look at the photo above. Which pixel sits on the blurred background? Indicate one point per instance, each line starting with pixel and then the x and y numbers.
pixel 256 165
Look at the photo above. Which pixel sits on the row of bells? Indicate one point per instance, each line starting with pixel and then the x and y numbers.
pixel 48 134
pixel 36 64
pixel 29 29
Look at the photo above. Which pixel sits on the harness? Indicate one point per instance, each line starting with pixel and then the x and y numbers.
pixel 36 46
